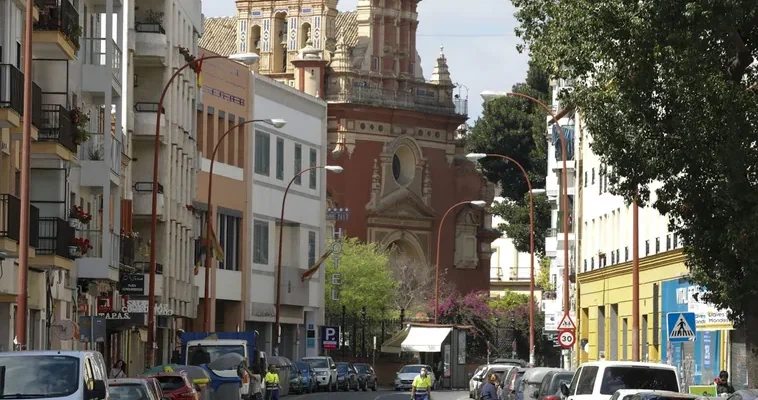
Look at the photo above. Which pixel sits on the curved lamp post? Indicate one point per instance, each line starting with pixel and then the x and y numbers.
pixel 478 203
pixel 478 156
pixel 277 123
pixel 246 58
pixel 334 168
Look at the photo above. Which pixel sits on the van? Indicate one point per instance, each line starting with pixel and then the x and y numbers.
pixel 326 372
pixel 60 375
pixel 600 380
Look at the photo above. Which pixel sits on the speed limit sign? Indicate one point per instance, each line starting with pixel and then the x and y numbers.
pixel 566 339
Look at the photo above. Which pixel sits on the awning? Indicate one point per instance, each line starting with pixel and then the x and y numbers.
pixel 307 274
pixel 425 339
pixel 392 345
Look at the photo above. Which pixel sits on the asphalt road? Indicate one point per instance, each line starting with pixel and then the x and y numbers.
pixel 379 395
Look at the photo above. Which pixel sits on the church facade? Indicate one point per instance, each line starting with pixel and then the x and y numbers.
pixel 395 133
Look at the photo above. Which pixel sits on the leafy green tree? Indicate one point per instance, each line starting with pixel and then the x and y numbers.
pixel 672 98
pixel 365 280
pixel 543 278
pixel 516 127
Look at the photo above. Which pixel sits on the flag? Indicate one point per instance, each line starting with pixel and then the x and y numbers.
pixel 315 267
pixel 218 252
pixel 200 72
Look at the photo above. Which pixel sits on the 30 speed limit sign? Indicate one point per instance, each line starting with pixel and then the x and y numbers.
pixel 566 339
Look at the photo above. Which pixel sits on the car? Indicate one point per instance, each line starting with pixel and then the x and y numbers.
pixel 296 379
pixel 347 377
pixel 500 370
pixel 369 376
pixel 307 376
pixel 601 379
pixel 326 372
pixel 176 386
pixel 476 380
pixel 550 389
pixel 404 378
pixel 132 389
pixel 513 389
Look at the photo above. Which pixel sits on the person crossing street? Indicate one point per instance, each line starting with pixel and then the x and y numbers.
pixel 422 386
pixel 272 383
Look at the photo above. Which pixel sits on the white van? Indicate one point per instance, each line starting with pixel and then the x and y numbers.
pixel 59 375
pixel 600 380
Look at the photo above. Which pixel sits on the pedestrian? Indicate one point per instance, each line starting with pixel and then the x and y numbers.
pixel 118 371
pixel 272 383
pixel 422 386
pixel 256 391
pixel 722 384
pixel 489 390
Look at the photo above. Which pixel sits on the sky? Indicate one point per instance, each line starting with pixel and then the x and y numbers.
pixel 479 42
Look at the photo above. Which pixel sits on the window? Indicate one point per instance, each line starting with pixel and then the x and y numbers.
pixel 593 176
pixel 626 253
pixel 585 265
pixel 586 380
pixel 298 163
pixel 18 55
pixel 613 258
pixel 585 178
pixel 657 245
pixel 600 181
pixel 592 263
pixel 262 153
pixel 229 237
pixel 260 242
pixel 312 183
pixel 311 249
pixel 675 240
pixel 647 247
pixel 279 158
pixel 668 242
pixel 622 377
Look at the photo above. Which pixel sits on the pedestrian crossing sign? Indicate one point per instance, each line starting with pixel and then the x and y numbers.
pixel 681 327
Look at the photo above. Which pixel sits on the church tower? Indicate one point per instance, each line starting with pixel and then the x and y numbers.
pixel 278 29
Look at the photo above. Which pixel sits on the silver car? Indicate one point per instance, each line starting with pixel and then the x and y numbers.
pixel 404 378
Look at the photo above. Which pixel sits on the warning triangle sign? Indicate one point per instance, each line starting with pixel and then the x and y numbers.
pixel 566 323
pixel 681 329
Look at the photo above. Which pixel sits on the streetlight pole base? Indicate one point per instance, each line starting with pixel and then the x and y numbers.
pixel 531 359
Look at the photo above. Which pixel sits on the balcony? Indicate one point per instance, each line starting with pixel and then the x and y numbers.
pixel 12 101
pixel 99 72
pixel 143 200
pixel 101 261
pixel 145 117
pixel 126 256
pixel 56 35
pixel 10 225
pixel 100 167
pixel 423 99
pixel 151 45
pixel 55 239
pixel 56 134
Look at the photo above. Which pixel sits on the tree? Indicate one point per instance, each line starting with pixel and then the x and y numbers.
pixel 365 280
pixel 543 279
pixel 667 93
pixel 415 284
pixel 472 310
pixel 516 127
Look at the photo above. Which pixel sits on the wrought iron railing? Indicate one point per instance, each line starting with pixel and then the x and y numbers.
pixel 11 88
pixel 127 251
pixel 146 187
pixel 145 27
pixel 61 16
pixel 55 237
pixel 143 267
pixel 10 219
pixel 57 126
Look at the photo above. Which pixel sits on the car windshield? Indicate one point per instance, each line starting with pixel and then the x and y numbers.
pixel 127 392
pixel 171 382
pixel 302 366
pixel 317 362
pixel 362 369
pixel 411 369
pixel 342 368
pixel 617 378
pixel 199 355
pixel 53 376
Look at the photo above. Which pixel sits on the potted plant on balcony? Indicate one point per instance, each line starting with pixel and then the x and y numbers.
pixel 80 121
pixel 77 218
pixel 79 247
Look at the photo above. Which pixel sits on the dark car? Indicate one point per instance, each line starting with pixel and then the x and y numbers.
pixel 367 374
pixel 296 379
pixel 550 388
pixel 512 387
pixel 308 376
pixel 347 376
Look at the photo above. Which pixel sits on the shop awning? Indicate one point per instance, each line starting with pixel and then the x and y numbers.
pixel 393 344
pixel 425 339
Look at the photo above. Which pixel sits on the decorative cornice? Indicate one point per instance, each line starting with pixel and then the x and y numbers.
pixel 651 262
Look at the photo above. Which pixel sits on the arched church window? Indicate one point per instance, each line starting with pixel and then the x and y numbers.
pixel 396 167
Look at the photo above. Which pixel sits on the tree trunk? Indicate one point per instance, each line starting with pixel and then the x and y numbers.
pixel 751 344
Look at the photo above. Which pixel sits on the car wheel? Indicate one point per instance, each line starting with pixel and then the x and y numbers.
pixel 374 387
pixel 329 386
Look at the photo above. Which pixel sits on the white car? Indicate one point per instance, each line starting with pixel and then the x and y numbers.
pixel 326 372
pixel 404 378
pixel 600 380
pixel 476 380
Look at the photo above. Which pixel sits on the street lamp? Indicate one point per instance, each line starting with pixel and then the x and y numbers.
pixel 478 156
pixel 247 59
pixel 333 168
pixel 278 123
pixel 478 203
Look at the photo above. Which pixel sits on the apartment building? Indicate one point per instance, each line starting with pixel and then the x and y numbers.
pixel 162 35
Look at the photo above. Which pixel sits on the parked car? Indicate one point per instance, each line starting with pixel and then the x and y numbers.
pixel 551 385
pixel 347 376
pixel 177 386
pixel 307 376
pixel 326 372
pixel 513 388
pixel 369 376
pixel 296 379
pixel 282 365
pixel 532 381
pixel 510 361
pixel 155 386
pixel 600 380
pixel 475 381
pixel 132 389
pixel 500 370
pixel 404 378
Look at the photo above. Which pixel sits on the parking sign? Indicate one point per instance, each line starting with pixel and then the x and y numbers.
pixel 330 337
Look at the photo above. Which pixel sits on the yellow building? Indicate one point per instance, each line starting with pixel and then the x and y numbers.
pixel 604 307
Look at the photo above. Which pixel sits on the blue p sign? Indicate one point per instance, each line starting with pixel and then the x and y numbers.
pixel 329 337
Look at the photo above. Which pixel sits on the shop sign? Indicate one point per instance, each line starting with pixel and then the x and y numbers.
pixel 707 316
pixel 140 307
pixel 132 284
pixel 116 315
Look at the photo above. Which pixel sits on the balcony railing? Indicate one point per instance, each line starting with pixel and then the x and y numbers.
pixel 147 107
pixel 95 237
pixel 61 16
pixel 115 254
pixel 94 150
pixel 146 187
pixel 145 27
pixel 55 237
pixel 57 126
pixel 127 251
pixel 95 52
pixel 143 267
pixel 10 220
pixel 12 93
pixel 422 100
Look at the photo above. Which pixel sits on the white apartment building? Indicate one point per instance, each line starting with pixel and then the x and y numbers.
pixel 278 154
pixel 508 264
pixel 156 32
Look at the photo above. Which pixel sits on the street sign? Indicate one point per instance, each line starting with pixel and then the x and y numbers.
pixel 329 337
pixel 566 339
pixel 681 327
pixel 566 323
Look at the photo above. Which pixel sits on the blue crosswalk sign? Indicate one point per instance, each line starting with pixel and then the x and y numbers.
pixel 681 327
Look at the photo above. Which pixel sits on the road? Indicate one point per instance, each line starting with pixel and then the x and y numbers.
pixel 380 395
